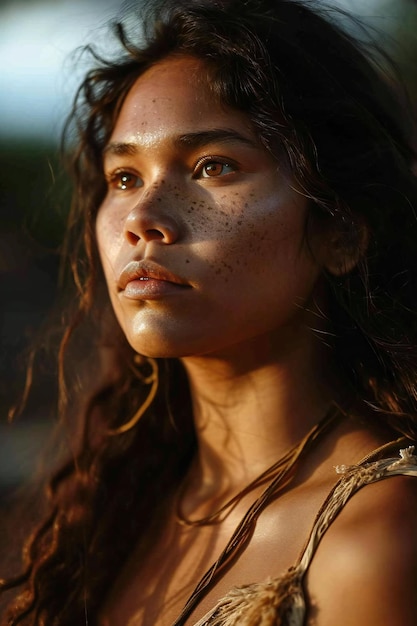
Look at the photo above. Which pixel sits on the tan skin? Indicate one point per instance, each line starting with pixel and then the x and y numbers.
pixel 191 190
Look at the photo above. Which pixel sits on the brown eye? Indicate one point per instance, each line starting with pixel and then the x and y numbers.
pixel 214 168
pixel 125 180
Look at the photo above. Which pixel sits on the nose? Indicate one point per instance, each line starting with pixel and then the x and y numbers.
pixel 150 220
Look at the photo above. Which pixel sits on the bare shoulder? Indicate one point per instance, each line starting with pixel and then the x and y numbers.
pixel 365 569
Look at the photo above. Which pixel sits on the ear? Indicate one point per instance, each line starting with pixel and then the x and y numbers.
pixel 346 247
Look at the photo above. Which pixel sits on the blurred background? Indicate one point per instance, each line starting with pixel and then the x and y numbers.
pixel 38 77
pixel 39 74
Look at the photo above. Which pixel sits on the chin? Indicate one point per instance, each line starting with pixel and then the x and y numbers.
pixel 157 346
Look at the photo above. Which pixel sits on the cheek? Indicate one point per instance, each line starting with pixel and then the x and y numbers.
pixel 218 231
pixel 245 233
pixel 109 236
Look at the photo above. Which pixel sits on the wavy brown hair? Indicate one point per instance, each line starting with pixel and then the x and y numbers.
pixel 328 109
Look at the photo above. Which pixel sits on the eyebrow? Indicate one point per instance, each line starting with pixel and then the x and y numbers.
pixel 188 140
pixel 120 148
pixel 202 138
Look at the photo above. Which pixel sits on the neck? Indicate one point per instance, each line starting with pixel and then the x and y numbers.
pixel 251 406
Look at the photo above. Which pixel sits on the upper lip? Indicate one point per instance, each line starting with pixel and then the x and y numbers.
pixel 136 270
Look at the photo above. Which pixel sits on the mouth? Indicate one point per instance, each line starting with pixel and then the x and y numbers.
pixel 148 280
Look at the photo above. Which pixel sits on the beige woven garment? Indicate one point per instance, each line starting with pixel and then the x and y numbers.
pixel 281 601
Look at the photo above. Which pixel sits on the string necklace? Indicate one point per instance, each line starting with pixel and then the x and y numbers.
pixel 224 511
pixel 280 475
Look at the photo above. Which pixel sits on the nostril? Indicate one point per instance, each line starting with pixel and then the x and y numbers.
pixel 149 234
pixel 154 233
pixel 132 238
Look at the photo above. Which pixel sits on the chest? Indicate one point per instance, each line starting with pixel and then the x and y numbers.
pixel 153 589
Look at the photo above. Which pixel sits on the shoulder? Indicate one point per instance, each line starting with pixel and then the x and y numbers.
pixel 365 569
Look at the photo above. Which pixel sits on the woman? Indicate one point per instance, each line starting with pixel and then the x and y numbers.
pixel 244 190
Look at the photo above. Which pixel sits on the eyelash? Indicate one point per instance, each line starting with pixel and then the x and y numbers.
pixel 206 161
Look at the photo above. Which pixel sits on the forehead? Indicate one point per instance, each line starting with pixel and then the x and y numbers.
pixel 174 94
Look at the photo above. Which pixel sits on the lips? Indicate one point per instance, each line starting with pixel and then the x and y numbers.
pixel 140 279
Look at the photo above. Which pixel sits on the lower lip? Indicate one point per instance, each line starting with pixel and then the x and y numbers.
pixel 151 289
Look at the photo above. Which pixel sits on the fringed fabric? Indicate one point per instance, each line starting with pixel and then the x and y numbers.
pixel 274 602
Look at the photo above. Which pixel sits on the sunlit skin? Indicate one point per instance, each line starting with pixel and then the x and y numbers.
pixel 215 229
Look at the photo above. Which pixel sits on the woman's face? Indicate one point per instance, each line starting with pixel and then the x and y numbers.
pixel 200 233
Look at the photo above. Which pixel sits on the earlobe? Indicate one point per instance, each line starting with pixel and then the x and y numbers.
pixel 345 249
